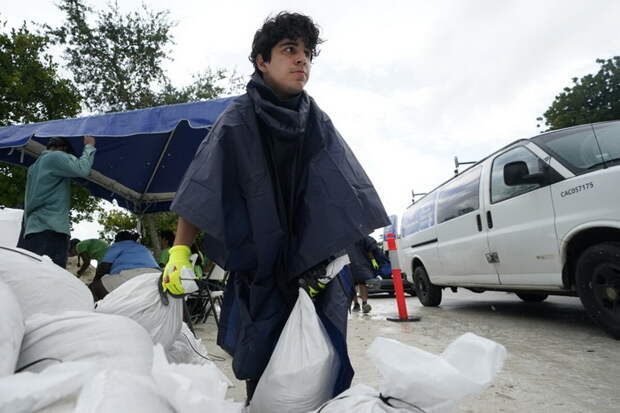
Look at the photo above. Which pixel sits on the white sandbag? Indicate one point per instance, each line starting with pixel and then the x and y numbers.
pixel 10 226
pixel 364 399
pixel 187 349
pixel 113 342
pixel 54 388
pixel 115 391
pixel 190 388
pixel 139 300
pixel 11 330
pixel 436 383
pixel 40 285
pixel 302 370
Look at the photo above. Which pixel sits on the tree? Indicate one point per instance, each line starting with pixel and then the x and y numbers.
pixel 117 60
pixel 208 84
pixel 33 91
pixel 116 220
pixel 593 98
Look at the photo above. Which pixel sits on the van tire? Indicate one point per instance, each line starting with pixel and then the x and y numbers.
pixel 532 297
pixel 428 294
pixel 597 279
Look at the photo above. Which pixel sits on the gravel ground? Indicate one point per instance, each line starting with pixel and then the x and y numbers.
pixel 558 361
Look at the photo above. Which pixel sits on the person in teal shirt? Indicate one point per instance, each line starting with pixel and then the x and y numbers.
pixel 46 225
pixel 88 250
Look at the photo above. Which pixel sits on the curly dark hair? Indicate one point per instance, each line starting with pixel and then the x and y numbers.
pixel 284 25
pixel 126 236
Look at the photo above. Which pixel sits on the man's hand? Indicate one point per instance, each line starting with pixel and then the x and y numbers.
pixel 89 140
pixel 171 280
pixel 309 280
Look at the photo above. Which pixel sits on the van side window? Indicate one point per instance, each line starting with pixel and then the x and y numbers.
pixel 499 190
pixel 608 136
pixel 459 196
pixel 420 215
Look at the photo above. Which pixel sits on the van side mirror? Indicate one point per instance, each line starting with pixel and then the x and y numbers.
pixel 517 173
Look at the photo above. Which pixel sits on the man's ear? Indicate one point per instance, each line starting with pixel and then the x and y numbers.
pixel 260 63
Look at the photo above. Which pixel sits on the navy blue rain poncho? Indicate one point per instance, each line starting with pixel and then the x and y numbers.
pixel 276 191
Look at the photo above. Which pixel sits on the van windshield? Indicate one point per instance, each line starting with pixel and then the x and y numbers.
pixel 584 148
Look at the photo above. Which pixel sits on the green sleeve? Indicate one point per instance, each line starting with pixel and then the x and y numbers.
pixel 68 166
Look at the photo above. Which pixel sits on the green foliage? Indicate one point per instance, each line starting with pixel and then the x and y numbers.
pixel 208 84
pixel 593 98
pixel 31 89
pixel 116 220
pixel 118 59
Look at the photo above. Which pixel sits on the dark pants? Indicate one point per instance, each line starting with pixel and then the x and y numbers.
pixel 53 244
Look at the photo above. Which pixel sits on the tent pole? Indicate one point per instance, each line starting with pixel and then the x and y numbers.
pixel 161 158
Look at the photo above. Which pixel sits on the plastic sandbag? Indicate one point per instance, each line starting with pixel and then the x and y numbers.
pixel 417 381
pixel 11 330
pixel 435 383
pixel 42 286
pixel 139 300
pixel 187 349
pixel 114 342
pixel 29 392
pixel 364 399
pixel 114 391
pixel 190 388
pixel 10 226
pixel 302 370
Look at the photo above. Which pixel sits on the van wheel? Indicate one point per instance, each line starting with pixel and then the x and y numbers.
pixel 598 285
pixel 429 294
pixel 532 297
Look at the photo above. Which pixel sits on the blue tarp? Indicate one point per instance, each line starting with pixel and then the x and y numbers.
pixel 141 156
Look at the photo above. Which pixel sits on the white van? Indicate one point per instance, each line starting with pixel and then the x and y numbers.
pixel 540 216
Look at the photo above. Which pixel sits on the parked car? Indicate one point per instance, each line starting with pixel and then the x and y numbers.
pixel 384 284
pixel 538 217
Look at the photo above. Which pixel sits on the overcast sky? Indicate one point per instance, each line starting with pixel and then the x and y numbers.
pixel 409 84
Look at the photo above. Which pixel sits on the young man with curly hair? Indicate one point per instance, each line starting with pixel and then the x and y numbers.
pixel 278 194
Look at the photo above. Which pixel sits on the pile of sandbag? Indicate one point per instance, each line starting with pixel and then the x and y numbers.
pixel 60 355
pixel 417 381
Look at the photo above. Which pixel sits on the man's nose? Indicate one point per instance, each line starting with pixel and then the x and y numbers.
pixel 301 59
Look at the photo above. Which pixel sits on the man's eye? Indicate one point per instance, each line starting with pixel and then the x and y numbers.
pixel 289 50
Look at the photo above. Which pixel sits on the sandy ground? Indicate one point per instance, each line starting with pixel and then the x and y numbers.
pixel 558 361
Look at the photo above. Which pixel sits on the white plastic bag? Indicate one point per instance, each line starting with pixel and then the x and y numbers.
pixel 190 388
pixel 28 392
pixel 114 342
pixel 435 383
pixel 115 391
pixel 10 226
pixel 363 399
pixel 187 349
pixel 302 370
pixel 139 300
pixel 42 286
pixel 11 330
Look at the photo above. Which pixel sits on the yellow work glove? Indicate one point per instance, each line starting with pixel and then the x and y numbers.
pixel 171 280
pixel 374 263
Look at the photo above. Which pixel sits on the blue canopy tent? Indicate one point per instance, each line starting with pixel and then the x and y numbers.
pixel 141 156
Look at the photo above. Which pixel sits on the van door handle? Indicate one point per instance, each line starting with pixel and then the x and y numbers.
pixel 479 222
pixel 489 220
